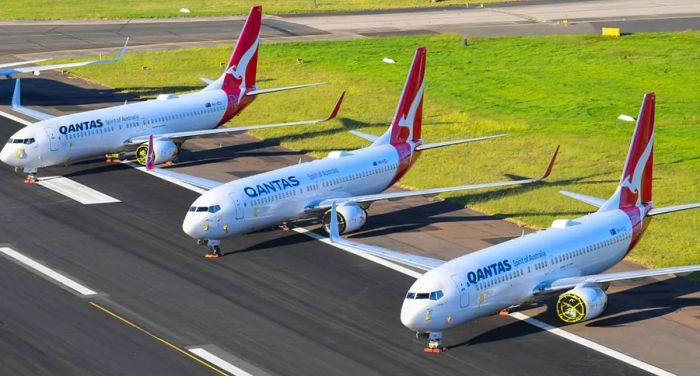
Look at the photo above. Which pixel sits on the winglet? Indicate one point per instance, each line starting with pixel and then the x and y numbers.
pixel 550 167
pixel 150 158
pixel 336 108
pixel 123 51
pixel 334 234
pixel 16 95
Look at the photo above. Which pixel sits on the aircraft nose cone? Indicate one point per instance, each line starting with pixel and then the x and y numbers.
pixel 412 317
pixel 192 228
pixel 6 156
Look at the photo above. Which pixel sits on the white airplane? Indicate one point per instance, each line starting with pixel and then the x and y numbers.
pixel 566 258
pixel 10 69
pixel 354 179
pixel 171 118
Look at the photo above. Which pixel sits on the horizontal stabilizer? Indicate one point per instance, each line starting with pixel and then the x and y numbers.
pixel 455 142
pixel 590 200
pixel 414 261
pixel 671 209
pixel 276 89
pixel 571 282
pixel 207 81
pixel 178 136
pixel 366 136
pixel 17 105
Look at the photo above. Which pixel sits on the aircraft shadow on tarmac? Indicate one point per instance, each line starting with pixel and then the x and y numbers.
pixel 50 92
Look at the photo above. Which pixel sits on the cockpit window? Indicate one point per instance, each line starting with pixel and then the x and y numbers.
pixel 201 209
pixel 435 295
pixel 26 141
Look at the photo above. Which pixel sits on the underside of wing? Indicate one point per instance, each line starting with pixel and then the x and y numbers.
pixel 569 283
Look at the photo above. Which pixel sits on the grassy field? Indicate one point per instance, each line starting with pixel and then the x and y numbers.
pixel 543 91
pixel 77 9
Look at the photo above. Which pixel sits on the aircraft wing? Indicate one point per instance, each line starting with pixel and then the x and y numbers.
pixel 325 204
pixel 37 68
pixel 276 89
pixel 415 261
pixel 571 282
pixel 180 136
pixel 14 64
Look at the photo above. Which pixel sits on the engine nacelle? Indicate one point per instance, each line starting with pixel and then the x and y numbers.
pixel 581 304
pixel 350 218
pixel 163 150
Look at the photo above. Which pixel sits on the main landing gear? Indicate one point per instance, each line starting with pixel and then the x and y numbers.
pixel 435 344
pixel 115 157
pixel 214 248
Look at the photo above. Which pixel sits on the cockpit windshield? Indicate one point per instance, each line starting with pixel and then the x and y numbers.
pixel 210 209
pixel 435 295
pixel 26 141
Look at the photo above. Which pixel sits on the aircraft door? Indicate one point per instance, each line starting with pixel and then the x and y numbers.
pixel 53 139
pixel 463 290
pixel 239 209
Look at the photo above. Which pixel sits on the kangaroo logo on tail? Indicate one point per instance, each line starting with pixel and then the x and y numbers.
pixel 242 67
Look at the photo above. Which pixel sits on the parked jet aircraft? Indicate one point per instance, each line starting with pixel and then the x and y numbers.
pixel 171 118
pixel 566 257
pixel 353 179
pixel 10 69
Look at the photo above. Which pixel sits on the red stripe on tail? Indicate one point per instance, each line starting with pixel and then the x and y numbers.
pixel 636 181
pixel 406 124
pixel 242 67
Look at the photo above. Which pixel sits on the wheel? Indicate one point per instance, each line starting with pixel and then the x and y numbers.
pixel 142 154
pixel 327 222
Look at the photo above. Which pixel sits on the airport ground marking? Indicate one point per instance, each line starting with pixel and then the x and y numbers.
pixel 591 345
pixel 166 178
pixel 519 316
pixel 47 272
pixel 159 339
pixel 76 191
pixel 215 360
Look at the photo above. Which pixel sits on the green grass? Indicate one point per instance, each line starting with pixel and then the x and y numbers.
pixel 80 9
pixel 544 91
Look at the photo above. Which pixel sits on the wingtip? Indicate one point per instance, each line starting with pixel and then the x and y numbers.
pixel 550 167
pixel 336 108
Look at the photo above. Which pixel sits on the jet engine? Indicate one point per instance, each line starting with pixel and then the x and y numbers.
pixel 163 150
pixel 581 304
pixel 350 218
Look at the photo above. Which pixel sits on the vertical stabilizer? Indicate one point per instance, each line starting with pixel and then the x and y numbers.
pixel 240 72
pixel 635 188
pixel 408 119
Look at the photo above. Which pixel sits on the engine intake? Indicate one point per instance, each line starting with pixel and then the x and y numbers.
pixel 581 303
pixel 350 218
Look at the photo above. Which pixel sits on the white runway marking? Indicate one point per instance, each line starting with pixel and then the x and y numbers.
pixel 166 178
pixel 46 272
pixel 591 345
pixel 76 191
pixel 215 360
pixel 520 316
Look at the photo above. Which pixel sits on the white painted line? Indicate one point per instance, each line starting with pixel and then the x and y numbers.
pixel 48 273
pixel 591 345
pixel 215 360
pixel 520 316
pixel 76 191
pixel 369 257
pixel 15 118
pixel 166 178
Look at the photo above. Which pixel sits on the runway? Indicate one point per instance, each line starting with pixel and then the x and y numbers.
pixel 45 38
pixel 279 302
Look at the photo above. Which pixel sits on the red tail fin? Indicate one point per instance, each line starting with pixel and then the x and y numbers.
pixel 636 184
pixel 241 68
pixel 406 125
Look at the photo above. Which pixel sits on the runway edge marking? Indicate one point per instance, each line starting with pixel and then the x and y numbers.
pixel 215 360
pixel 47 272
pixel 517 315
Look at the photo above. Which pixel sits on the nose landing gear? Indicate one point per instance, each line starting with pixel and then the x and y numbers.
pixel 31 176
pixel 214 248
pixel 435 344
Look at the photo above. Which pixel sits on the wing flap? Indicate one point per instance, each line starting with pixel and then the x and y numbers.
pixel 414 261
